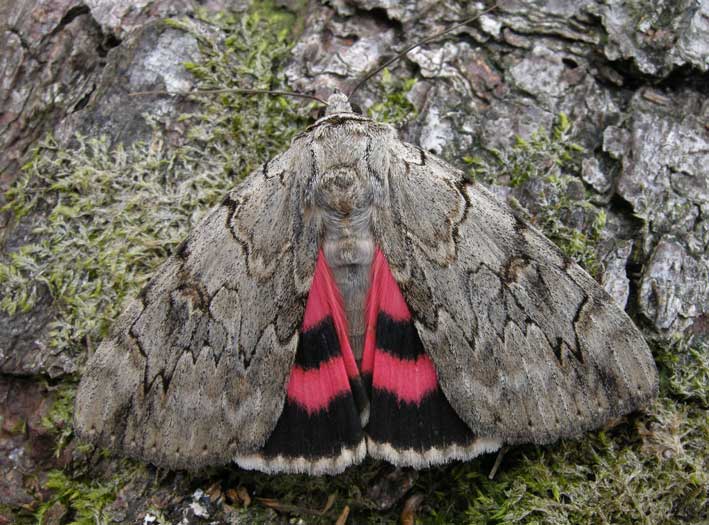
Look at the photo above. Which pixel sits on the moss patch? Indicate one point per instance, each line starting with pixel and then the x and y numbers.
pixel 115 213
pixel 537 157
pixel 104 217
pixel 393 107
pixel 687 369
pixel 548 165
pixel 59 417
pixel 82 502
pixel 76 499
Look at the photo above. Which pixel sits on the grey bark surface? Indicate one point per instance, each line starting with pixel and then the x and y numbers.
pixel 632 76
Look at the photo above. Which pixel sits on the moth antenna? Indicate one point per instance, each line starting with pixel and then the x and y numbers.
pixel 417 44
pixel 232 90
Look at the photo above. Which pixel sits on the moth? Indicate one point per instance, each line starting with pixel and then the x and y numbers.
pixel 358 296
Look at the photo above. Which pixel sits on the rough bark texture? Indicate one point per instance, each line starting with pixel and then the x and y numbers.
pixel 631 75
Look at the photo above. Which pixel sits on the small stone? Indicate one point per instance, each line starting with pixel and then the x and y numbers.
pixel 615 279
pixel 490 25
pixel 199 510
pixel 659 298
pixel 615 141
pixel 592 174
pixel 436 132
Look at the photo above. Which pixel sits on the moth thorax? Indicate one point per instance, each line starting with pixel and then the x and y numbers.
pixel 344 203
pixel 343 191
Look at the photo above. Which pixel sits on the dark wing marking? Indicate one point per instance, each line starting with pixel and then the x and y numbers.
pixel 411 422
pixel 319 431
pixel 527 346
pixel 193 372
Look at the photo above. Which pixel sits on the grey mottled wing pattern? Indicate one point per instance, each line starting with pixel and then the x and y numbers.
pixel 194 370
pixel 527 346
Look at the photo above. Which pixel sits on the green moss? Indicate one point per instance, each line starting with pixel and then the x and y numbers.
pixel 59 417
pixel 551 161
pixel 85 501
pixel 115 213
pixel 393 107
pixel 104 217
pixel 650 17
pixel 687 365
pixel 540 156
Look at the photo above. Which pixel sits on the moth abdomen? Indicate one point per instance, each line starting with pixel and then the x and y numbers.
pixel 348 245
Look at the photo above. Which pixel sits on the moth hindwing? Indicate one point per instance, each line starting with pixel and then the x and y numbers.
pixel 360 296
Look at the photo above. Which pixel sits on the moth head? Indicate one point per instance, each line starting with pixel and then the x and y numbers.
pixel 338 103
